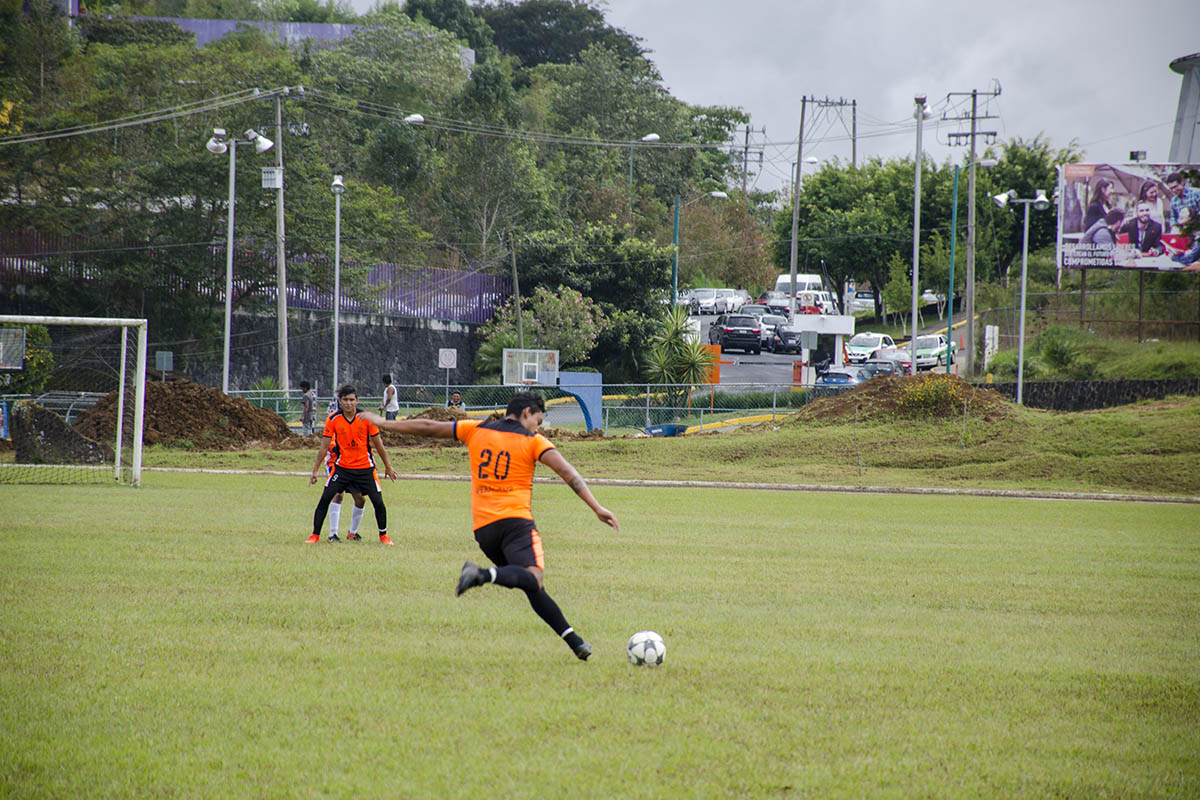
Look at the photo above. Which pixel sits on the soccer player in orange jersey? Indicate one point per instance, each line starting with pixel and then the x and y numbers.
pixel 354 438
pixel 503 454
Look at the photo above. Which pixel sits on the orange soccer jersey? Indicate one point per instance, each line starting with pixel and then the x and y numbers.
pixel 352 440
pixel 503 456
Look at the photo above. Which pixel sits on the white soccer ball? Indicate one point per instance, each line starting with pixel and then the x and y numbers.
pixel 646 649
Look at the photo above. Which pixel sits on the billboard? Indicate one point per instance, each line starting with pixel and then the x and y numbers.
pixel 1127 216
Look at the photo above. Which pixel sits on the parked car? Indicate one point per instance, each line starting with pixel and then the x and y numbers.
pixel 843 376
pixel 769 322
pixel 899 355
pixel 865 345
pixel 786 339
pixel 684 298
pixel 757 309
pixel 778 302
pixel 931 351
pixel 826 302
pixel 736 332
pixel 863 300
pixel 883 366
pixel 743 297
pixel 704 301
pixel 728 301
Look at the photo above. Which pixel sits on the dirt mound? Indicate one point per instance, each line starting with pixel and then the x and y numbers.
pixel 203 415
pixel 929 396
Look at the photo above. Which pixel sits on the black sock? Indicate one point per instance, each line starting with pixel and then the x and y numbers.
pixel 514 577
pixel 545 607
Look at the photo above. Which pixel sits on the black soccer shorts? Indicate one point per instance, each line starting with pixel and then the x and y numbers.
pixel 512 541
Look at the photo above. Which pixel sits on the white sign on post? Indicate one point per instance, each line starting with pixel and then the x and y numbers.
pixel 447 360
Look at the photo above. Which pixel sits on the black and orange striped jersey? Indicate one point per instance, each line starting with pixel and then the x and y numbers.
pixel 352 438
pixel 503 457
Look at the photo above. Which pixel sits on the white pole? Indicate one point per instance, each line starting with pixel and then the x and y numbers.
pixel 229 264
pixel 139 407
pixel 1021 329
pixel 337 280
pixel 920 114
pixel 121 403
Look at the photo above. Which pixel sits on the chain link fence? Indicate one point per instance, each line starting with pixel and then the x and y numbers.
pixel 662 409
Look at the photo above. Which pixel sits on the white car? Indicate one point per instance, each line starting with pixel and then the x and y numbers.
pixel 865 345
pixel 769 323
pixel 728 301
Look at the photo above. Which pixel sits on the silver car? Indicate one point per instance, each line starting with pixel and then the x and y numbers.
pixel 704 301
pixel 769 323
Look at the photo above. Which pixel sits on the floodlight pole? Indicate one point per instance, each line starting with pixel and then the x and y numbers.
pixel 1021 322
pixel 229 263
pixel 337 189
pixel 919 113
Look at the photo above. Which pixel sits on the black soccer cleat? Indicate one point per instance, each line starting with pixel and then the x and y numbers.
pixel 353 537
pixel 472 575
pixel 333 537
pixel 582 651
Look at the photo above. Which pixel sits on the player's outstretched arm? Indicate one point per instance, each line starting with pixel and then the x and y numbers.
pixel 555 461
pixel 413 427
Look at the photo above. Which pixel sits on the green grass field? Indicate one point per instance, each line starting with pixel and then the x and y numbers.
pixel 180 641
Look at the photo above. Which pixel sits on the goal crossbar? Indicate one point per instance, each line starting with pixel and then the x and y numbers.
pixel 139 379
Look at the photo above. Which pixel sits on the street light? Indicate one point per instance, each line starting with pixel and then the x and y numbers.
pixel 648 138
pixel 799 167
pixel 338 188
pixel 415 119
pixel 219 144
pixel 675 239
pixel 985 162
pixel 1041 203
pixel 920 114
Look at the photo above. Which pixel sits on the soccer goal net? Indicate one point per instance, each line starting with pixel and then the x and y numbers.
pixel 72 398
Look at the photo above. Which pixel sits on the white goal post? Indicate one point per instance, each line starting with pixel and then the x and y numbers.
pixel 139 378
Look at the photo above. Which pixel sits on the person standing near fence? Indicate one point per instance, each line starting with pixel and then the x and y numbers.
pixel 503 454
pixel 390 407
pixel 308 408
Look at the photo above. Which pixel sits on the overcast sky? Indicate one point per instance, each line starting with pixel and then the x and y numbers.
pixel 1094 71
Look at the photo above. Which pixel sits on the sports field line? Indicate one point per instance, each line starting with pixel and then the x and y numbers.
pixel 1024 494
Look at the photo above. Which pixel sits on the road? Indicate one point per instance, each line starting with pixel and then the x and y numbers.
pixel 771 368
pixel 739 367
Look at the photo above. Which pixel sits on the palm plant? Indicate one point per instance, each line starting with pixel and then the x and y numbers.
pixel 676 359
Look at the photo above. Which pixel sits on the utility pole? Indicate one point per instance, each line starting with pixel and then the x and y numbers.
pixel 853 133
pixel 281 326
pixel 746 157
pixel 745 160
pixel 512 238
pixel 796 205
pixel 956 138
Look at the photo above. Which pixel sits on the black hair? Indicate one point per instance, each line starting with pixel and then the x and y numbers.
pixel 523 400
pixel 346 389
pixel 387 378
pixel 305 386
pixel 1114 216
pixel 1174 177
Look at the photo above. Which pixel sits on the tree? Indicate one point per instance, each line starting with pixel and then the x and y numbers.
pixel 1026 166
pixel 562 320
pixel 458 18
pixel 554 31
